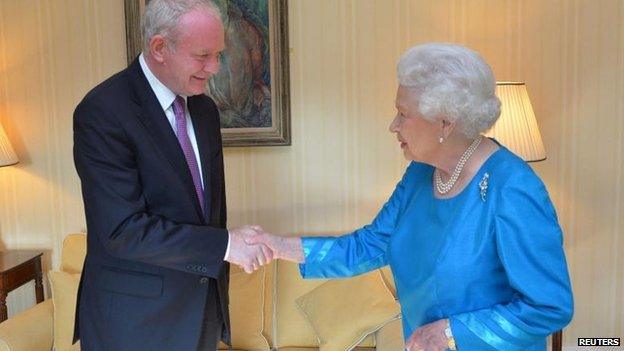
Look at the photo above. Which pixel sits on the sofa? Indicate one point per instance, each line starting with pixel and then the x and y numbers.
pixel 271 309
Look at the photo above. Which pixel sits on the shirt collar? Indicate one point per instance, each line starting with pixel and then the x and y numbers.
pixel 164 95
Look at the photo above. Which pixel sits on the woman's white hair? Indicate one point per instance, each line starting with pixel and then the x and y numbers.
pixel 451 81
pixel 162 17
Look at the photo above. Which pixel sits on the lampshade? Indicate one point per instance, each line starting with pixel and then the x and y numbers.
pixel 7 155
pixel 517 127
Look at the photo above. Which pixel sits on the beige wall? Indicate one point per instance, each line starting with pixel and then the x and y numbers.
pixel 343 162
pixel 51 53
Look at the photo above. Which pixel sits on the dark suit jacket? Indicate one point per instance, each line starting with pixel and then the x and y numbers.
pixel 151 252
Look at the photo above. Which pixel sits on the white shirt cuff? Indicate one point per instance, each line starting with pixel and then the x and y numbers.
pixel 227 251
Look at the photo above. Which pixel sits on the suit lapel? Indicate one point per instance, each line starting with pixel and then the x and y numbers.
pixel 202 128
pixel 155 121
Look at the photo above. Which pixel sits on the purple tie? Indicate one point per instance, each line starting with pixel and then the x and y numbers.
pixel 187 148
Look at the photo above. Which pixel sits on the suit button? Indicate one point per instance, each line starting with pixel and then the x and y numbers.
pixel 203 280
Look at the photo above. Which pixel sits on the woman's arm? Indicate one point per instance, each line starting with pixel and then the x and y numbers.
pixel 333 257
pixel 529 245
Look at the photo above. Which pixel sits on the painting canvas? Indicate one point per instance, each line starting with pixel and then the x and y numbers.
pixel 251 88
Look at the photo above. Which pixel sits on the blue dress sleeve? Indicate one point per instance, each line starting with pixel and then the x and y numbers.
pixel 530 247
pixel 358 252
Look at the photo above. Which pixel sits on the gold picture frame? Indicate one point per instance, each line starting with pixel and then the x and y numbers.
pixel 267 122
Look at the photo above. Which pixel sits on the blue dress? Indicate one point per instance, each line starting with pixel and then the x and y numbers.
pixel 489 259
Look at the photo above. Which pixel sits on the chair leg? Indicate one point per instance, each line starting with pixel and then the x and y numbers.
pixel 557 341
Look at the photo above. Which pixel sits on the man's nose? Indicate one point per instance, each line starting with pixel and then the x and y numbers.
pixel 394 125
pixel 212 66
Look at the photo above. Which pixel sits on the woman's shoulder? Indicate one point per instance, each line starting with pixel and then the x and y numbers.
pixel 416 174
pixel 515 188
pixel 417 170
pixel 507 169
pixel 417 167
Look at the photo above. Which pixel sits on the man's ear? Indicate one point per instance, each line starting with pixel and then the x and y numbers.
pixel 158 47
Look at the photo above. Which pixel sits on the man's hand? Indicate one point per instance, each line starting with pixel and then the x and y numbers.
pixel 429 337
pixel 248 256
pixel 283 247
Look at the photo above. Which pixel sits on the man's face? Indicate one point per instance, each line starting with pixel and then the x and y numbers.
pixel 193 58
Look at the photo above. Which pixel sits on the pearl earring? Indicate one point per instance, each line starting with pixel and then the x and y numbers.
pixel 441 140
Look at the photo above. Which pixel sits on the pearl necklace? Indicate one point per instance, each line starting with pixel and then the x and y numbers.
pixel 443 187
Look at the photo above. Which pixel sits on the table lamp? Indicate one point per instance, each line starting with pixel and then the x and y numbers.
pixel 7 155
pixel 516 128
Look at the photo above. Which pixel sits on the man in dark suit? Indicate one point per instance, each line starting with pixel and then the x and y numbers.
pixel 147 148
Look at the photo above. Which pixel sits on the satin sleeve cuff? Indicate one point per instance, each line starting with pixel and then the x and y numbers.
pixel 315 249
pixel 489 330
pixel 465 339
pixel 339 257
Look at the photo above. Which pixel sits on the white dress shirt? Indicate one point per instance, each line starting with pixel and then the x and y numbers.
pixel 165 97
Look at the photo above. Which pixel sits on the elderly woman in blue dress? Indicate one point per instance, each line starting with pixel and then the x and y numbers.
pixel 470 233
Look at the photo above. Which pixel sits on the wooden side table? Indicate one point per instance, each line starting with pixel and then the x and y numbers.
pixel 18 267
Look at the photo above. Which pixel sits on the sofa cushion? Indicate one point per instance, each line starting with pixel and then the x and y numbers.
pixel 64 288
pixel 390 337
pixel 269 303
pixel 388 279
pixel 247 310
pixel 291 328
pixel 73 254
pixel 343 312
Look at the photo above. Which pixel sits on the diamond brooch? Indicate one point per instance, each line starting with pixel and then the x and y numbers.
pixel 483 185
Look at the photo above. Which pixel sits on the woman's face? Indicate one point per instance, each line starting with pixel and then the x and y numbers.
pixel 418 137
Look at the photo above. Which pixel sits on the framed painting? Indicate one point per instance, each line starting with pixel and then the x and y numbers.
pixel 252 86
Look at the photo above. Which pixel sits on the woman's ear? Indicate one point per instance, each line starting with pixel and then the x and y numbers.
pixel 447 127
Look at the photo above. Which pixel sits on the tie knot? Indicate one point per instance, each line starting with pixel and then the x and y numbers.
pixel 178 106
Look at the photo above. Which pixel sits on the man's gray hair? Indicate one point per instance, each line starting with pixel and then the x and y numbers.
pixel 451 81
pixel 162 17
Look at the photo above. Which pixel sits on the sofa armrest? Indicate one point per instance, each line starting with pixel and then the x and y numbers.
pixel 30 330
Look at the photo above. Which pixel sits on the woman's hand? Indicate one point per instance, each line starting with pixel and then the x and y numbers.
pixel 429 337
pixel 285 248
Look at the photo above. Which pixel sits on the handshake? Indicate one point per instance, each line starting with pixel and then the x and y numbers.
pixel 252 247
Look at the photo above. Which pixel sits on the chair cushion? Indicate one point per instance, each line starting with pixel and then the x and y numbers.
pixel 73 254
pixel 343 312
pixel 64 288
